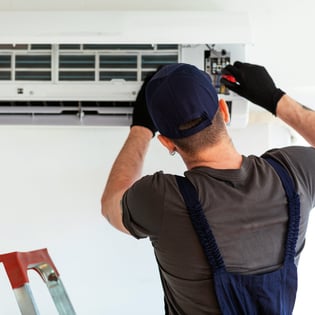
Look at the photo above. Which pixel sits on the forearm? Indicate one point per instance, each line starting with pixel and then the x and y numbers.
pixel 125 171
pixel 298 117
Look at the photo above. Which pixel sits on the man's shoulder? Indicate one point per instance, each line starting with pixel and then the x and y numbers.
pixel 300 162
pixel 299 154
pixel 155 179
pixel 153 186
pixel 143 204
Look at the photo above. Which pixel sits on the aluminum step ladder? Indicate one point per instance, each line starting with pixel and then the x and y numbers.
pixel 17 265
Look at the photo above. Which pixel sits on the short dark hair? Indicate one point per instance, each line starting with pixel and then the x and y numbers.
pixel 206 137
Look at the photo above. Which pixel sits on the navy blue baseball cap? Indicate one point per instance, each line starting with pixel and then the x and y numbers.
pixel 177 94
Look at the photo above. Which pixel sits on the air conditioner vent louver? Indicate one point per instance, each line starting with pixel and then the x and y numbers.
pixel 66 112
pixel 33 61
pixel 38 105
pixel 118 61
pixel 83 62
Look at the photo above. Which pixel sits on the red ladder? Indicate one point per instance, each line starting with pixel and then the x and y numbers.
pixel 18 263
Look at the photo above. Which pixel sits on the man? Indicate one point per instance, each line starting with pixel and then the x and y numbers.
pixel 242 198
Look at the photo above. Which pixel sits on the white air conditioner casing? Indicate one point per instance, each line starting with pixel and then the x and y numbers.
pixel 193 32
pixel 181 27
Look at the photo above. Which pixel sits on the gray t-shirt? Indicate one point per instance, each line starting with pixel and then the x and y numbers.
pixel 246 209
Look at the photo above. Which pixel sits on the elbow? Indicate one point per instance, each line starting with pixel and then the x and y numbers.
pixel 113 214
pixel 103 212
pixel 104 208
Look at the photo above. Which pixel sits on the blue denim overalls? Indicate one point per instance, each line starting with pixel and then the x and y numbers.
pixel 271 293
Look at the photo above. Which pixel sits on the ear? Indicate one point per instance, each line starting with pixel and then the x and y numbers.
pixel 224 110
pixel 167 143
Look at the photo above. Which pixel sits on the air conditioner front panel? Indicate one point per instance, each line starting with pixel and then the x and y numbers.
pixel 95 83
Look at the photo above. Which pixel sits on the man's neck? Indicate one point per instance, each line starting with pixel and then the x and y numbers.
pixel 221 156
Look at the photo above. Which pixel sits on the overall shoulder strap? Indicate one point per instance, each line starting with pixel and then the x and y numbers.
pixel 293 205
pixel 200 224
pixel 203 229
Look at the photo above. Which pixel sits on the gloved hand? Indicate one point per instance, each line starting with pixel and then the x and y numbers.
pixel 254 83
pixel 141 116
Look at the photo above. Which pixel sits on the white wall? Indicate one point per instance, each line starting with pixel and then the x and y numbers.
pixel 51 182
pixel 52 179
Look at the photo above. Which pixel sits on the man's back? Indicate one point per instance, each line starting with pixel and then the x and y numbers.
pixel 247 212
pixel 243 198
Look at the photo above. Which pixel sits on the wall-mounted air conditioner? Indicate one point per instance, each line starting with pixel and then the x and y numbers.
pixel 86 68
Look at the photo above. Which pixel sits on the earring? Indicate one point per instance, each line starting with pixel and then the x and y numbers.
pixel 172 153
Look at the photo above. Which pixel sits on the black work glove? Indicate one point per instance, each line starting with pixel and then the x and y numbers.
pixel 141 116
pixel 254 83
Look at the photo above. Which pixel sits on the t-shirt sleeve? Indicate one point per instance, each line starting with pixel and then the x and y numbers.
pixel 142 206
pixel 300 161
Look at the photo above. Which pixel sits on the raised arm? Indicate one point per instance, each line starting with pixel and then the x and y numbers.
pixel 299 117
pixel 255 84
pixel 125 171
pixel 128 165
